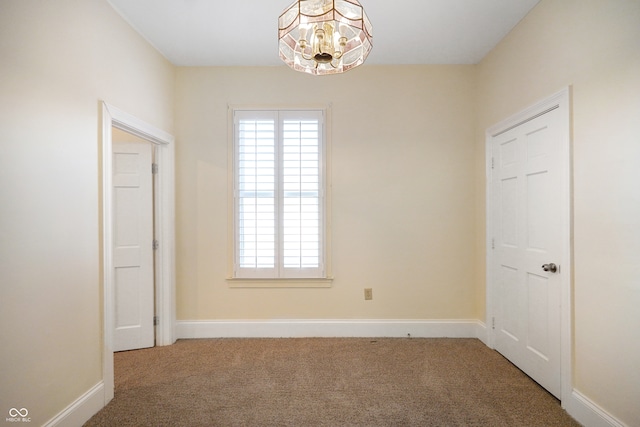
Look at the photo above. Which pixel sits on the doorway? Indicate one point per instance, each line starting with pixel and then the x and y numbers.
pixel 163 230
pixel 529 242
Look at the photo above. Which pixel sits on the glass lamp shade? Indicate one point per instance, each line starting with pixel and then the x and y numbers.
pixel 324 36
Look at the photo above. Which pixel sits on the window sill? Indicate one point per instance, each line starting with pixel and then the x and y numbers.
pixel 324 282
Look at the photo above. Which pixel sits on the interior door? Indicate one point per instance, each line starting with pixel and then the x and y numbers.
pixel 527 246
pixel 133 245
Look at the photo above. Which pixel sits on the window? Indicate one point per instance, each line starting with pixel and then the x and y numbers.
pixel 279 207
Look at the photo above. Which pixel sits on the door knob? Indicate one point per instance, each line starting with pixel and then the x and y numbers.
pixel 550 267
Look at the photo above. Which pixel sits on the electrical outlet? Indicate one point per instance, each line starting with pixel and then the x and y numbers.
pixel 368 294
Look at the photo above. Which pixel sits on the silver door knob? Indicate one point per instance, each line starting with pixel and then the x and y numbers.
pixel 550 267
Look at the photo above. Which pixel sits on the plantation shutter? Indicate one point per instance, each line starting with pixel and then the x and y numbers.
pixel 301 194
pixel 279 180
pixel 256 195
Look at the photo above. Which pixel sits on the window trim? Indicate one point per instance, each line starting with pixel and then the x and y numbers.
pixel 325 280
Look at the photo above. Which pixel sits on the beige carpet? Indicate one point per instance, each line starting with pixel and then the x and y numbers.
pixel 325 382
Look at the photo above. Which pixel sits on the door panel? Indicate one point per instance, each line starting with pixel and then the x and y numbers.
pixel 127 296
pixel 527 222
pixel 133 251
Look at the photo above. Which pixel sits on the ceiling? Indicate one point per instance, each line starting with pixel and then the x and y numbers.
pixel 244 32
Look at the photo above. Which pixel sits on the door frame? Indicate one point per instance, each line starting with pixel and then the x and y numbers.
pixel 562 102
pixel 164 231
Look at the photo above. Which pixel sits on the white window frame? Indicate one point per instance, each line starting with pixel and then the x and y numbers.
pixel 279 276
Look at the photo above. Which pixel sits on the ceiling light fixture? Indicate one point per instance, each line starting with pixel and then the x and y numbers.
pixel 324 36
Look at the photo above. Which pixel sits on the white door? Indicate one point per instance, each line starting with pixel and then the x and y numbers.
pixel 133 246
pixel 527 223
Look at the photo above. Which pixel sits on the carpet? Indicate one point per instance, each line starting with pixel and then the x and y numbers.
pixel 325 382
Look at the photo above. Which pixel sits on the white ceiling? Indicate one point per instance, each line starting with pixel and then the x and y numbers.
pixel 244 32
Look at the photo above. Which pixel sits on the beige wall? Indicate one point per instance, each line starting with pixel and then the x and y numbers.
pixel 594 46
pixel 58 59
pixel 403 200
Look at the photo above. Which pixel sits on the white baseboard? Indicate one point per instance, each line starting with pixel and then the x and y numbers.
pixel 482 333
pixel 587 413
pixel 81 410
pixel 329 328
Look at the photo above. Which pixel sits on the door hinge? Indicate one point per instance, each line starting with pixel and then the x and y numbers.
pixel 155 244
pixel 493 163
pixel 493 243
pixel 156 321
pixel 154 168
pixel 493 323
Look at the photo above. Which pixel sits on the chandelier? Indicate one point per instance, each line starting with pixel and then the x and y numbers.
pixel 324 36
